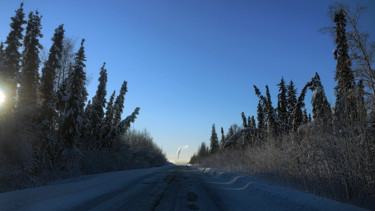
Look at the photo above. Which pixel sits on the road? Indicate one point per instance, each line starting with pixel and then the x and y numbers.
pixel 164 188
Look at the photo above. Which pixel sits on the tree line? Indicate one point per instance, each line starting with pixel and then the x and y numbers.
pixel 288 129
pixel 49 112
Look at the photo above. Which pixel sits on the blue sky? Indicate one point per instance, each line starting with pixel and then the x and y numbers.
pixel 192 63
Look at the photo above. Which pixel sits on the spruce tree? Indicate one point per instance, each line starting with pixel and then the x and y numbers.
pixel 97 109
pixel 48 95
pixel 28 91
pixel 297 114
pixel 121 128
pixel 261 118
pixel 119 104
pixel 291 98
pixel 222 141
pixel 12 58
pixel 2 55
pixel 76 98
pixel 345 106
pixel 282 106
pixel 108 125
pixel 272 126
pixel 214 146
pixel 320 106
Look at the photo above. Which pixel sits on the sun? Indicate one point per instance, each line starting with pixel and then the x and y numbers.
pixel 2 97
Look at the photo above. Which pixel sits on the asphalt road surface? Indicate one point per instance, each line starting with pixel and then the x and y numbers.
pixel 165 188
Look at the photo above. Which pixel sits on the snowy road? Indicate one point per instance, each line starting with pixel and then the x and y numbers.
pixel 164 188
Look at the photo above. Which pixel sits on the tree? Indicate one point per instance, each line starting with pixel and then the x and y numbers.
pixel 108 119
pixel 28 91
pixel 119 104
pixel 121 128
pixel 214 146
pixel 261 118
pixel 345 106
pixel 297 114
pixel 320 106
pixel 361 104
pixel 282 104
pixel 96 111
pixel 75 102
pixel 12 57
pixel 67 59
pixel 203 151
pixel 48 95
pixel 2 54
pixel 291 101
pixel 222 141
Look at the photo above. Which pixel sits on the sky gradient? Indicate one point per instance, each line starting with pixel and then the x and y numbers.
pixel 192 63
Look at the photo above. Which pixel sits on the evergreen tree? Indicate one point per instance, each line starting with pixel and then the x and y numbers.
pixel 297 114
pixel 48 95
pixel 97 109
pixel 203 151
pixel 253 123
pixel 230 132
pixel 108 119
pixel 282 101
pixel 272 127
pixel 76 98
pixel 119 104
pixel 282 104
pixel 12 57
pixel 291 98
pixel 214 146
pixel 305 116
pixel 320 106
pixel 222 141
pixel 2 54
pixel 28 91
pixel 244 120
pixel 345 106
pixel 62 95
pixel 261 117
pixel 121 128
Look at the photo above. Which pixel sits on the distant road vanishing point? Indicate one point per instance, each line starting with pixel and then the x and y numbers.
pixel 165 188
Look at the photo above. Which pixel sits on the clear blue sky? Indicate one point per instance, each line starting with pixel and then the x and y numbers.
pixel 192 63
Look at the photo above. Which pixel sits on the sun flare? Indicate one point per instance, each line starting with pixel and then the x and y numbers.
pixel 2 98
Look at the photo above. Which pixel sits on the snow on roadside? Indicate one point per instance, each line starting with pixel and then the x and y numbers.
pixel 243 188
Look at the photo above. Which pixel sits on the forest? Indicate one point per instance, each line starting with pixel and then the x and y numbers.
pixel 49 129
pixel 330 152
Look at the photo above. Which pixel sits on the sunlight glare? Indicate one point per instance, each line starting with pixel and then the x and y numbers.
pixel 2 97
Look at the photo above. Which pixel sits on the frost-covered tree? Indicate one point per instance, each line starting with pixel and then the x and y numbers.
pixel 75 100
pixel 214 141
pixel 282 103
pixel 320 106
pixel 261 118
pixel 291 98
pixel 297 114
pixel 2 54
pixel 96 111
pixel 273 125
pixel 345 106
pixel 29 87
pixel 121 128
pixel 12 57
pixel 118 106
pixel 222 141
pixel 48 114
pixel 107 124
